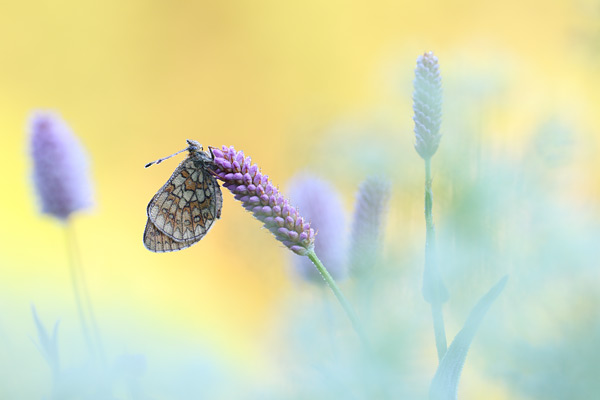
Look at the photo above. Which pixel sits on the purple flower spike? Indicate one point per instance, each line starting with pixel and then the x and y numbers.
pixel 60 166
pixel 368 224
pixel 322 205
pixel 263 199
pixel 427 105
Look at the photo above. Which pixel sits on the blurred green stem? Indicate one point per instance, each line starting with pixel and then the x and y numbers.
pixel 338 294
pixel 79 284
pixel 434 291
pixel 429 200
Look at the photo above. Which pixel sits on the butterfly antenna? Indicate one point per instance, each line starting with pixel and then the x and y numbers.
pixel 163 159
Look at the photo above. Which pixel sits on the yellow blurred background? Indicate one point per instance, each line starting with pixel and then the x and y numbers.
pixel 293 84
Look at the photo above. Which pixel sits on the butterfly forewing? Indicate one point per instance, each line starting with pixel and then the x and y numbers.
pixel 184 209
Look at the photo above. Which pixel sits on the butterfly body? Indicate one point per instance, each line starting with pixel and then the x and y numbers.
pixel 184 209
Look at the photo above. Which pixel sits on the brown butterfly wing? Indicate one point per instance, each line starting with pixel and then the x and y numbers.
pixel 156 241
pixel 185 208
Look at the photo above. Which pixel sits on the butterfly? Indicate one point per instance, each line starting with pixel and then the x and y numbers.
pixel 185 208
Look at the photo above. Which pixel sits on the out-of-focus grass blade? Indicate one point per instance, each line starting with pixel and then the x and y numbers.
pixel 48 344
pixel 445 382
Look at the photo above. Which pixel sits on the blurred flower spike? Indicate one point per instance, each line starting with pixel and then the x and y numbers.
pixel 370 212
pixel 260 197
pixel 427 105
pixel 60 166
pixel 322 206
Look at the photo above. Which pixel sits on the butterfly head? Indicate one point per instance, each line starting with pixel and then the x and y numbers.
pixel 197 151
pixel 194 145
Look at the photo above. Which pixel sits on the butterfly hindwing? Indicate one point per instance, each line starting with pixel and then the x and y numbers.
pixel 158 242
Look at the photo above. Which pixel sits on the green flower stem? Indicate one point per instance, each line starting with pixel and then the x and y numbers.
pixel 434 291
pixel 338 294
pixel 428 199
pixel 79 284
pixel 73 272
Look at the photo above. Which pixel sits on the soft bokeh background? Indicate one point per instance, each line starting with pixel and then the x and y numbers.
pixel 323 86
